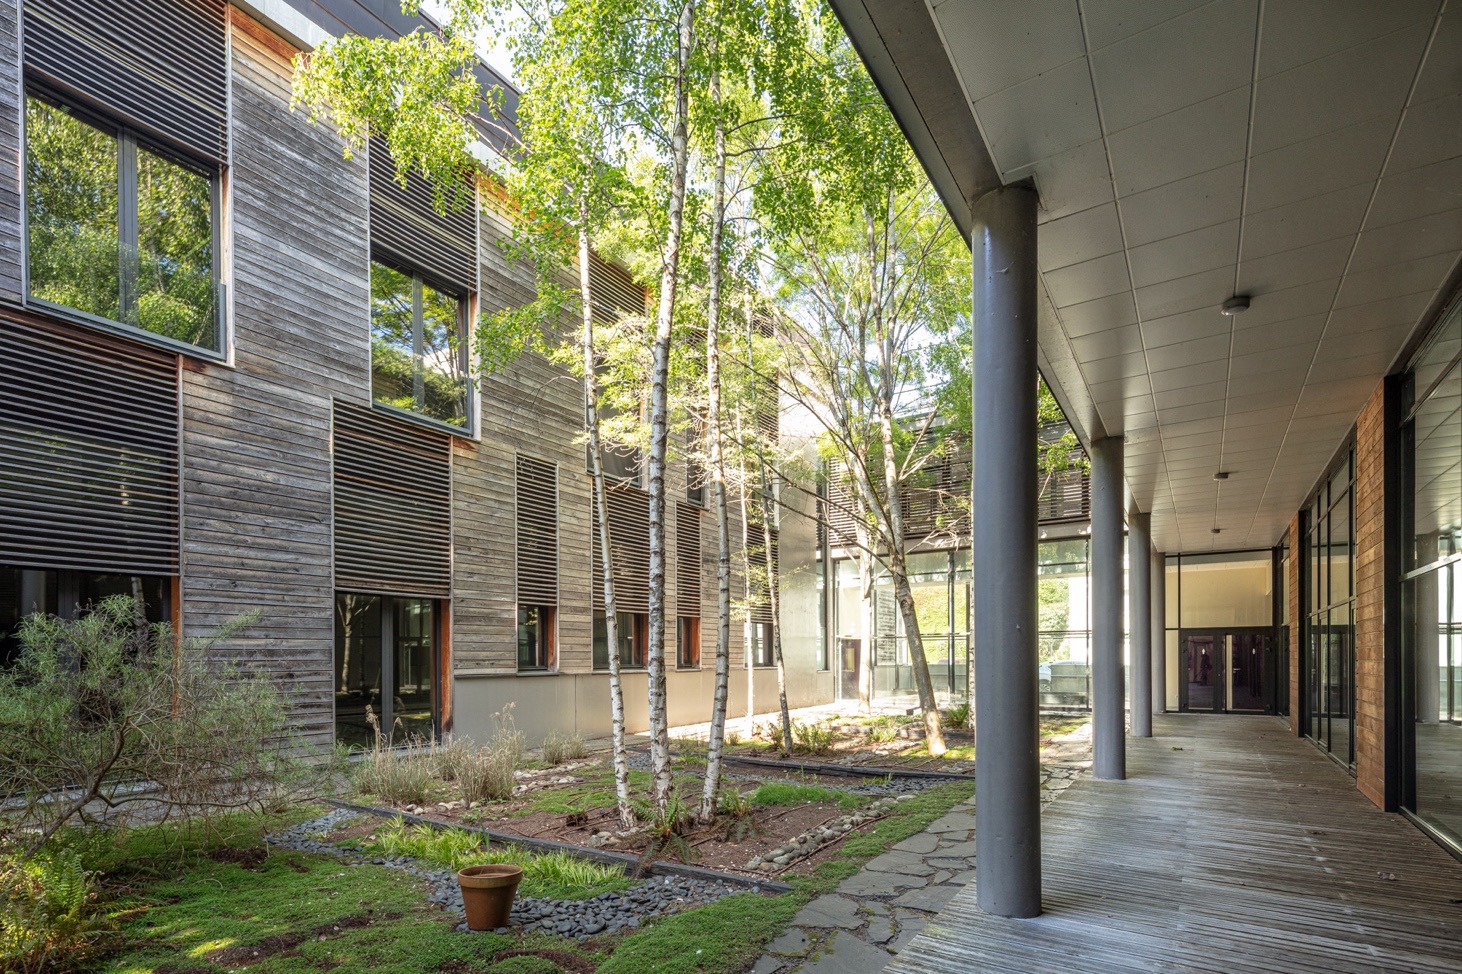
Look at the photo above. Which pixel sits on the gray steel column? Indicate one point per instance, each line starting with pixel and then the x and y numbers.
pixel 1008 773
pixel 1108 710
pixel 1139 616
pixel 1159 632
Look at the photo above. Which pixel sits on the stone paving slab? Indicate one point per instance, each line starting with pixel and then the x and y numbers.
pixel 875 914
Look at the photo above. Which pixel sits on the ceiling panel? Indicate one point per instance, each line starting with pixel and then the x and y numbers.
pixel 1327 192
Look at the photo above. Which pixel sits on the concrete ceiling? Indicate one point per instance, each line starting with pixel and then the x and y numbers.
pixel 1306 153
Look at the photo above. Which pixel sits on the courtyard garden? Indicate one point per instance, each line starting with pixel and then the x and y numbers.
pixel 363 876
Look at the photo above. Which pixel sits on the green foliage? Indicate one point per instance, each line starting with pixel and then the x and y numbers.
pixel 47 919
pixel 556 875
pixel 957 715
pixel 811 738
pixel 524 964
pixel 93 705
pixel 727 935
pixel 486 773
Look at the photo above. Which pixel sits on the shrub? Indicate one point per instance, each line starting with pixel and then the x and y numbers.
pixel 957 716
pixel 883 734
pixel 558 748
pixel 47 918
pixel 95 706
pixel 811 738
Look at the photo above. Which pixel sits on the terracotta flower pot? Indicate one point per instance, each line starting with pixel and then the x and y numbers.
pixel 487 894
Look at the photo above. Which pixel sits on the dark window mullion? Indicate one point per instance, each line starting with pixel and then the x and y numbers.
pixel 127 226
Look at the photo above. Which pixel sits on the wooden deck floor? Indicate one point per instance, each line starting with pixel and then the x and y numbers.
pixel 1231 848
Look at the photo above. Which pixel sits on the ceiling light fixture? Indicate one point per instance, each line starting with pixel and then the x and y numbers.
pixel 1235 305
pixel 1221 475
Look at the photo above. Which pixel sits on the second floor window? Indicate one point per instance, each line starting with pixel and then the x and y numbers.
pixel 418 347
pixel 118 228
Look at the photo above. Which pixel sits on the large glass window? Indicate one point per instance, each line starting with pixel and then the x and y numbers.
pixel 385 667
pixel 1329 613
pixel 118 229
pixel 418 347
pixel 26 591
pixel 1432 588
pixel 632 632
pixel 536 636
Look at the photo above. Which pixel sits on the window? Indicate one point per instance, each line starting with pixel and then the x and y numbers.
pixel 761 644
pixel 118 229
pixel 385 663
pixel 418 347
pixel 688 643
pixel 633 633
pixel 536 637
pixel 26 591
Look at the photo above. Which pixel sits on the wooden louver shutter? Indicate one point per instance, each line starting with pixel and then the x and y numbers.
pixel 88 452
pixel 407 229
pixel 537 515
pixel 629 544
pixel 393 505
pixel 760 609
pixel 160 65
pixel 613 291
pixel 687 560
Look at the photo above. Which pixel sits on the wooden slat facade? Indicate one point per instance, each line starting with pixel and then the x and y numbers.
pixel 536 505
pixel 258 494
pixel 256 437
pixel 1232 847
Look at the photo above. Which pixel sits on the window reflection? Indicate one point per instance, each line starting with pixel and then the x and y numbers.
pixel 418 347
pixel 142 255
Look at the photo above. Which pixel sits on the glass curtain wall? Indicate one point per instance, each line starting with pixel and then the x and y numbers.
pixel 1431 437
pixel 941 584
pixel 1221 641
pixel 1328 583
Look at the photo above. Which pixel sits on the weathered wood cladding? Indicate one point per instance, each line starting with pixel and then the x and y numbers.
pixel 256 492
pixel 256 437
pixel 689 568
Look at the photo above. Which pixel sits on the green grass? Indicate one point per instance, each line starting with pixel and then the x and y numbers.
pixel 176 905
pixel 776 793
pixel 556 875
pixel 595 791
pixel 965 753
pixel 731 934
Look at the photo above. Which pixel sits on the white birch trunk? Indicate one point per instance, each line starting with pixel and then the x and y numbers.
pixel 716 738
pixel 596 471
pixel 660 413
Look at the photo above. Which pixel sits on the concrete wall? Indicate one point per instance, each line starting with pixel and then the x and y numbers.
pixel 579 702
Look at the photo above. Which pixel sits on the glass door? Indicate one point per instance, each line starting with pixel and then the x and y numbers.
pixel 1201 667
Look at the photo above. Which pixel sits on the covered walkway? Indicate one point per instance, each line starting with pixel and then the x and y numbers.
pixel 1232 847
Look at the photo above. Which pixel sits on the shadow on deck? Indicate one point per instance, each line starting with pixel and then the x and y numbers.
pixel 1232 847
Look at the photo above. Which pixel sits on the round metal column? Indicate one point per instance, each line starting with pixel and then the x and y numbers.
pixel 1108 710
pixel 1008 773
pixel 1139 616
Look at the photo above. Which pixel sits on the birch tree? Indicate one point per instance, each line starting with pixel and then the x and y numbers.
pixel 869 268
pixel 420 93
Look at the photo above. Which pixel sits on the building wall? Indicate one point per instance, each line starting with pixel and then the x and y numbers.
pixel 1370 608
pixel 256 474
pixel 256 466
